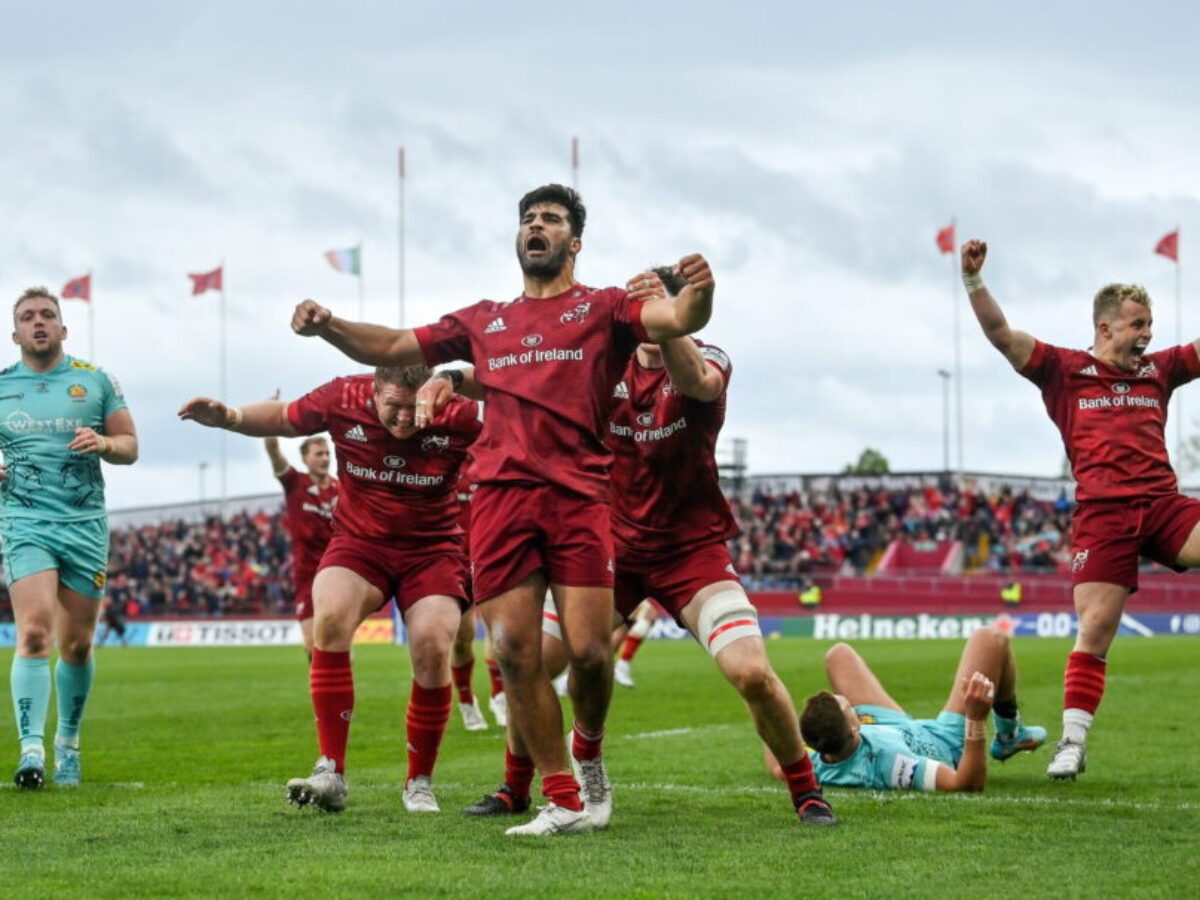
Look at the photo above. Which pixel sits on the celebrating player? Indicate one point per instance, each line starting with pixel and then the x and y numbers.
pixel 1110 405
pixel 861 737
pixel 671 523
pixel 395 534
pixel 309 499
pixel 59 417
pixel 547 363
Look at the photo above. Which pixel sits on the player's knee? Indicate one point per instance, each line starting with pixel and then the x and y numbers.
pixel 34 640
pixel 726 617
pixel 331 632
pixel 754 680
pixel 518 656
pixel 75 649
pixel 591 661
pixel 837 653
pixel 990 636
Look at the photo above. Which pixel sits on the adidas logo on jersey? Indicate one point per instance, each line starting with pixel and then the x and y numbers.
pixel 1090 370
pixel 356 434
pixel 496 325
pixel 622 391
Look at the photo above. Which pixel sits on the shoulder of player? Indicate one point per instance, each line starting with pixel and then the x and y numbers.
pixel 715 354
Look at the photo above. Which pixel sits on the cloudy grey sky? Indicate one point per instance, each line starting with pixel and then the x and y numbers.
pixel 811 153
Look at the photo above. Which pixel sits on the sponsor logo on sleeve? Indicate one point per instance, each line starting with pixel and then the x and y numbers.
pixel 717 356
pixel 904 773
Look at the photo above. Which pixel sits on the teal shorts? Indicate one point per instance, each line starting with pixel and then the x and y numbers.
pixel 946 731
pixel 78 550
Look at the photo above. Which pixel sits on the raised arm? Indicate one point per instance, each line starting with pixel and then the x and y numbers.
pixel 971 774
pixel 434 394
pixel 1017 346
pixel 265 419
pixel 372 345
pixel 279 463
pixel 690 371
pixel 690 311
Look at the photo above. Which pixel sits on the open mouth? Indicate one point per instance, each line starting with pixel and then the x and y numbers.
pixel 536 244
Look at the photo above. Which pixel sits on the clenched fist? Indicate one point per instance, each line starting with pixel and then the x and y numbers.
pixel 310 318
pixel 974 252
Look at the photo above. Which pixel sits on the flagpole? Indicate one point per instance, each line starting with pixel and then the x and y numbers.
pixel 1178 341
pixel 400 237
pixel 224 397
pixel 958 405
pixel 575 163
pixel 362 315
pixel 91 322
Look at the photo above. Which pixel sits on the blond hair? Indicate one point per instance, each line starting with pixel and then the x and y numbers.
pixel 36 293
pixel 411 377
pixel 1110 297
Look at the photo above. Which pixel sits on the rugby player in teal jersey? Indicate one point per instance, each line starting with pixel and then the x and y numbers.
pixel 59 416
pixel 861 737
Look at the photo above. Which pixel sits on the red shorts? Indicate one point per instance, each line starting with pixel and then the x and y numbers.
pixel 517 529
pixel 672 579
pixel 1108 536
pixel 303 594
pixel 407 574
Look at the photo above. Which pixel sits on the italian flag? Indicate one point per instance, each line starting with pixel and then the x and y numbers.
pixel 348 260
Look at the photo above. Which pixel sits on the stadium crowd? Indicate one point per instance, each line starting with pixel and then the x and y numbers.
pixel 242 565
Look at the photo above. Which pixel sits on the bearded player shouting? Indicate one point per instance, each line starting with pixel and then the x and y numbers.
pixel 547 362
pixel 1110 405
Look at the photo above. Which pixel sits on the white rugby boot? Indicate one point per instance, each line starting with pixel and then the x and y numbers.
pixel 623 673
pixel 499 707
pixel 595 788
pixel 1070 759
pixel 554 819
pixel 418 795
pixel 325 788
pixel 472 716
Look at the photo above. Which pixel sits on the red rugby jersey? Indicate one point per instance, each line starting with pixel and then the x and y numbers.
pixel 1112 422
pixel 308 517
pixel 548 366
pixel 665 487
pixel 399 491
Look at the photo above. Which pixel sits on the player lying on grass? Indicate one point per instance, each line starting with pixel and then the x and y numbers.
pixel 671 524
pixel 59 417
pixel 861 737
pixel 547 364
pixel 1110 405
pixel 395 535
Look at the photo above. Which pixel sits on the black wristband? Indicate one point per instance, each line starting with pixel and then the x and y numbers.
pixel 455 376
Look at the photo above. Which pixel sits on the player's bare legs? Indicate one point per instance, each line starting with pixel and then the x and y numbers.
pixel 586 620
pixel 462 668
pixel 498 701
pixel 514 619
pixel 850 676
pixel 306 634
pixel 629 640
pixel 45 611
pixel 1098 606
pixel 341 600
pixel 722 619
pixel 432 623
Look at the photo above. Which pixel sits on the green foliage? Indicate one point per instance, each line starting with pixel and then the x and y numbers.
pixel 186 753
pixel 870 462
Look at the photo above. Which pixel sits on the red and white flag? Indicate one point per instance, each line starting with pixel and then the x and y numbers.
pixel 78 288
pixel 206 281
pixel 1169 246
pixel 945 239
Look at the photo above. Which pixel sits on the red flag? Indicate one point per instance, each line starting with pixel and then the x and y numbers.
pixel 945 239
pixel 78 288
pixel 206 281
pixel 1169 246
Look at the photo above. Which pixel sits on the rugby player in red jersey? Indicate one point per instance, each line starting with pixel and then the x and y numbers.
pixel 1110 405
pixel 671 522
pixel 547 363
pixel 395 534
pixel 309 499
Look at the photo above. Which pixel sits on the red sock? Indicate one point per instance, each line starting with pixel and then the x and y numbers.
pixel 494 675
pixel 800 777
pixel 630 647
pixel 563 790
pixel 585 745
pixel 331 683
pixel 1083 684
pixel 462 681
pixel 518 773
pixel 428 713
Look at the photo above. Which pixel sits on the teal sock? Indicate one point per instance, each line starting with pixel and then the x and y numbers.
pixel 73 684
pixel 1006 726
pixel 30 685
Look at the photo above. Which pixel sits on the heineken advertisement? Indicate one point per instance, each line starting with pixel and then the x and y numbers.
pixel 928 626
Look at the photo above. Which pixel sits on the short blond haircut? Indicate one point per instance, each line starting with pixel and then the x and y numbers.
pixel 36 293
pixel 1110 297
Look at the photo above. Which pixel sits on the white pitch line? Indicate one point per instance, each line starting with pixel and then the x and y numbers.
pixel 900 796
pixel 675 732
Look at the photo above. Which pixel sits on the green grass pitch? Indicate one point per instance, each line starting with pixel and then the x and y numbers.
pixel 186 752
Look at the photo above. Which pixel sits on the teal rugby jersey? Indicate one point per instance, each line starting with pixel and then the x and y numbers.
pixel 39 412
